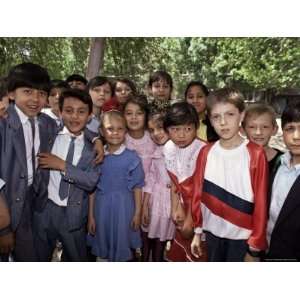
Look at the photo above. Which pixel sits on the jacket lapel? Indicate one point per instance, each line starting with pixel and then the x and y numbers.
pixel 291 202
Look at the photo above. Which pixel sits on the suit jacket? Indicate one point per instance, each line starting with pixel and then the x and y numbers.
pixel 13 165
pixel 82 178
pixel 285 238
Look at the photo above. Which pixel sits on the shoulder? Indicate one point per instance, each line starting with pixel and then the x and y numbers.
pixel 131 154
pixel 47 120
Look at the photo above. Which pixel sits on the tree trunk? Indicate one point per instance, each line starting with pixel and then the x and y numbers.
pixel 96 57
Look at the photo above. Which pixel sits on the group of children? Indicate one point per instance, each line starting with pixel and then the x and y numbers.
pixel 110 174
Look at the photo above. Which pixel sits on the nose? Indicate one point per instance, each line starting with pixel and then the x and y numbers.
pixel 296 133
pixel 258 130
pixel 223 120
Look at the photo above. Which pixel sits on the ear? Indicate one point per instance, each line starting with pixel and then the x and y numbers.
pixel 12 95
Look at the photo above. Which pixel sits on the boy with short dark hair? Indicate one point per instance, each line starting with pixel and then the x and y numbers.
pixel 23 134
pixel 69 175
pixel 283 229
pixel 230 186
pixel 76 81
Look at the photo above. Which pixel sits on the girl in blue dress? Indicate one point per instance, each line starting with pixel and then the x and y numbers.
pixel 115 209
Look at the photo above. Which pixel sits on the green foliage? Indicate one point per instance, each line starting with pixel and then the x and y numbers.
pixel 248 63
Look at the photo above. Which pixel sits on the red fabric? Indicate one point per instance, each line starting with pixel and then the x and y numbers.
pixel 180 250
pixel 259 180
pixel 111 104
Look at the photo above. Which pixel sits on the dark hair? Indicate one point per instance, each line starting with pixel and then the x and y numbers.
pixel 81 95
pixel 181 113
pixel 161 75
pixel 225 95
pixel 76 77
pixel 258 109
pixel 196 83
pixel 128 82
pixel 141 101
pixel 3 87
pixel 28 75
pixel 99 80
pixel 156 112
pixel 291 113
pixel 60 84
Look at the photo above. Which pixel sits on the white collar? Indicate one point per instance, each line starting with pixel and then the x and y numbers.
pixel 286 161
pixel 65 131
pixel 117 152
pixel 23 118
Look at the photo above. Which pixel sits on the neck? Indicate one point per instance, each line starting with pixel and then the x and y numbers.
pixel 202 115
pixel 232 143
pixel 295 160
pixel 136 134
pixel 113 148
pixel 270 152
pixel 96 111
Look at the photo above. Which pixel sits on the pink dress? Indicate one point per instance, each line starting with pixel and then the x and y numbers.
pixel 145 148
pixel 159 183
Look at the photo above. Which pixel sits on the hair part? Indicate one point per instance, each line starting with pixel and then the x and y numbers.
pixel 198 83
pixel 181 113
pixel 225 95
pixel 258 109
pixel 81 95
pixel 291 113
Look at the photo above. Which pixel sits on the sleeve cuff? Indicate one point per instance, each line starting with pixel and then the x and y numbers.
pixel 198 230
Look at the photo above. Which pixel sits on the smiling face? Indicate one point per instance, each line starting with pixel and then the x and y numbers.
pixel 75 115
pixel 122 92
pixel 100 94
pixel 226 120
pixel 157 132
pixel 260 128
pixel 197 98
pixel 113 129
pixel 135 117
pixel 161 90
pixel 29 100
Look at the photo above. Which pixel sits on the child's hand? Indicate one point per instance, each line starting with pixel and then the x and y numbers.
pixel 187 229
pixel 136 222
pixel 178 216
pixel 196 246
pixel 7 243
pixel 145 216
pixel 98 148
pixel 91 225
pixel 51 161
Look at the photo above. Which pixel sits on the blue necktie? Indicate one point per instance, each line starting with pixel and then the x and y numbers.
pixel 64 185
pixel 32 124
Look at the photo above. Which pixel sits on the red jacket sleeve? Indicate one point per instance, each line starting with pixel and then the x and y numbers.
pixel 259 172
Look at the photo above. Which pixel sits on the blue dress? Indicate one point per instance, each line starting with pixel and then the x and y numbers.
pixel 115 206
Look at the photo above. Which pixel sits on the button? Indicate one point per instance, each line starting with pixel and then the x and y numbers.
pixel 22 176
pixel 78 203
pixel 18 199
pixel 168 186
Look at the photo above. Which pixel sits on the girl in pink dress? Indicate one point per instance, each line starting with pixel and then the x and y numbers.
pixel 181 154
pixel 138 139
pixel 156 214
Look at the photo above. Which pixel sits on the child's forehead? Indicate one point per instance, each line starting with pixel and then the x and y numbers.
pixel 266 117
pixel 74 102
pixel 103 85
pixel 161 80
pixel 109 120
pixel 222 107
pixel 292 124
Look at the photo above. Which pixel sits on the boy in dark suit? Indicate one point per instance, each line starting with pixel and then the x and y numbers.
pixel 69 174
pixel 283 230
pixel 23 134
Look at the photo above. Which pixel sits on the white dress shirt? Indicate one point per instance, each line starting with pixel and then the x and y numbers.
pixel 60 149
pixel 52 115
pixel 28 142
pixel 283 181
